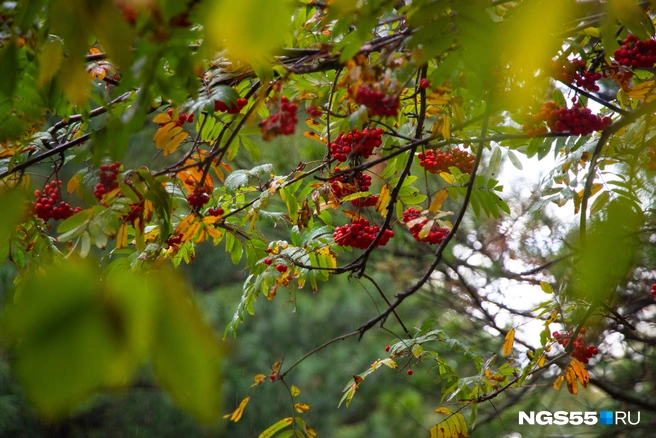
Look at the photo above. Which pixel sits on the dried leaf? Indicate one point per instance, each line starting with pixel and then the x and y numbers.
pixel 295 391
pixel 122 237
pixel 259 379
pixel 570 378
pixel 581 373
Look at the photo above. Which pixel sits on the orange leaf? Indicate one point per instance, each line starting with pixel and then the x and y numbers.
pixel 162 133
pixel 570 378
pixel 214 233
pixel 191 232
pixel 581 373
pixel 508 344
pixel 314 136
pixel 558 382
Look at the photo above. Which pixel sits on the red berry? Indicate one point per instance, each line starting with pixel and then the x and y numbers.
pixel 409 372
pixel 424 83
pixel 268 261
pixel 281 268
pixel 387 349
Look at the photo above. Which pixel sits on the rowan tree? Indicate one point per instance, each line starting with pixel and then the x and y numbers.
pixel 132 134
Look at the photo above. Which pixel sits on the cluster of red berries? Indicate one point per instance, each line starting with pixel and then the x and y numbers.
pixel 108 179
pixel 653 290
pixel 215 211
pixel 174 241
pixel 378 103
pixel 581 352
pixel 182 118
pixel 635 53
pixel 574 72
pixel 344 185
pixel 436 234
pixel 436 162
pixel 234 108
pixel 356 143
pixel 282 122
pixel 198 198
pixel 45 205
pixel 314 111
pixel 360 234
pixel 135 212
pixel 575 120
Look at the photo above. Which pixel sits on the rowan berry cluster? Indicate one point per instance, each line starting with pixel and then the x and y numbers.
pixel 108 179
pixel 581 352
pixel 234 108
pixel 314 111
pixel 356 143
pixel 436 162
pixel 198 198
pixel 635 53
pixel 344 185
pixel 436 234
pixel 360 234
pixel 174 241
pixel 575 120
pixel 281 122
pixel 135 212
pixel 215 211
pixel 653 290
pixel 45 205
pixel 378 103
pixel 574 72
pixel 182 118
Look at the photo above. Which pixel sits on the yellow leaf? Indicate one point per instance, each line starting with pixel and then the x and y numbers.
pixel 443 410
pixel 352 215
pixel 162 134
pixel 184 224
pixel 447 177
pixel 508 344
pixel 541 360
pixel 122 237
pixel 570 378
pixel 546 287
pixel 301 407
pixel 162 118
pixel 219 173
pixel 236 416
pixel 595 188
pixel 214 233
pixel 390 363
pixel 259 379
pixel 330 256
pixel 73 183
pixel 581 373
pixel 438 200
pixel 383 200
pixel 452 427
pixel 558 382
pixel 640 91
pixel 437 99
pixel 191 232
pixel 201 237
pixel 295 391
pixel 446 132
pixel 212 219
pixel 271 430
pixel 171 146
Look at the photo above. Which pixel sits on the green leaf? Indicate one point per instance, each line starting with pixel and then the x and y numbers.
pixel 514 160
